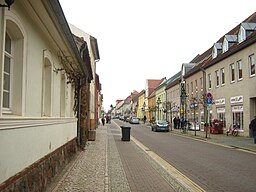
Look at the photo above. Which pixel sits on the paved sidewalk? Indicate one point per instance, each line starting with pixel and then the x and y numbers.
pixel 109 164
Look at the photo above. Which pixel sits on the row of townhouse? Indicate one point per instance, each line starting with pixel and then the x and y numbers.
pixel 49 91
pixel 218 84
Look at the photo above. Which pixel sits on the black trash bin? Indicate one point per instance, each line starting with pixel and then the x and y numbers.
pixel 126 133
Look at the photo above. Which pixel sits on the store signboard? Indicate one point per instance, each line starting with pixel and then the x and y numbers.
pixel 236 99
pixel 238 108
pixel 220 101
pixel 220 110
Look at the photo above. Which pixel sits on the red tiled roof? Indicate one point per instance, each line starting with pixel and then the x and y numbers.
pixel 153 83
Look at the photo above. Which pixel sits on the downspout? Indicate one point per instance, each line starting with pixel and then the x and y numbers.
pixel 79 113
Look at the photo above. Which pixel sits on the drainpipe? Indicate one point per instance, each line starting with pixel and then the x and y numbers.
pixel 79 113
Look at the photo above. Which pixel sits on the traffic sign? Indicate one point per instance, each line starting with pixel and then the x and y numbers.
pixel 209 95
pixel 208 100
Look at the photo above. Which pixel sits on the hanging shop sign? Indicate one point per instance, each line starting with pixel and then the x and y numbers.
pixel 236 99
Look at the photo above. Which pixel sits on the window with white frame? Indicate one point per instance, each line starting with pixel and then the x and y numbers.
pixel 217 74
pixel 8 56
pixel 222 71
pixel 47 88
pixel 251 61
pixel 209 81
pixel 225 45
pixel 239 70
pixel 241 35
pixel 62 95
pixel 232 72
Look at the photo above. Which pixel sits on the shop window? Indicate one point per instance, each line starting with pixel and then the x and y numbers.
pixel 237 116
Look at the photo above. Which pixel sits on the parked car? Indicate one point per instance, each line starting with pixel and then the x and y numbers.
pixel 134 120
pixel 192 126
pixel 160 125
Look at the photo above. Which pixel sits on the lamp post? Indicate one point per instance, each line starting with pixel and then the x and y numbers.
pixel 194 103
pixel 144 105
pixel 158 103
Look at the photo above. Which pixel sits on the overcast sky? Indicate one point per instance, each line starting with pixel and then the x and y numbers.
pixel 150 39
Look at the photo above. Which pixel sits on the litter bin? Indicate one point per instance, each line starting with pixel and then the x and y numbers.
pixel 126 133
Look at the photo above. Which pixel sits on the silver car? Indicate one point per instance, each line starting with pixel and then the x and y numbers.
pixel 134 120
pixel 160 125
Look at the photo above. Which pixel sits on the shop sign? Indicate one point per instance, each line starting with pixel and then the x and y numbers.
pixel 220 101
pixel 220 110
pixel 238 108
pixel 236 99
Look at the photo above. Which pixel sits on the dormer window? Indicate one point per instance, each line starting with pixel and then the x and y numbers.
pixel 228 41
pixel 245 30
pixel 216 50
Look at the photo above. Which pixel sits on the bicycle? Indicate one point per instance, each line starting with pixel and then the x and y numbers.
pixel 233 130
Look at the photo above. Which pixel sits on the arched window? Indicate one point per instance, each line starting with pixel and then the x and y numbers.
pixel 13 68
pixel 47 88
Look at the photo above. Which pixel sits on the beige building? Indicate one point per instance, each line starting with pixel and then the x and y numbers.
pixel 41 68
pixel 228 70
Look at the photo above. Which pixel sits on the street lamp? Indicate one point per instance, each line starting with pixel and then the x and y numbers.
pixel 144 105
pixel 8 4
pixel 158 103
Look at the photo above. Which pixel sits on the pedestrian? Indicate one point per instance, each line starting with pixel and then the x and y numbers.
pixel 252 126
pixel 178 122
pixel 175 122
pixel 145 118
pixel 182 122
pixel 103 121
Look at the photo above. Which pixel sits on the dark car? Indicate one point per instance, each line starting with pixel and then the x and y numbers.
pixel 160 125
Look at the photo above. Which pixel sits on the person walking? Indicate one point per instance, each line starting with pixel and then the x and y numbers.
pixel 252 126
pixel 178 122
pixel 103 120
pixel 145 118
pixel 175 122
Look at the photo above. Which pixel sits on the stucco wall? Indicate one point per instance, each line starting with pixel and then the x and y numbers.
pixel 22 145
